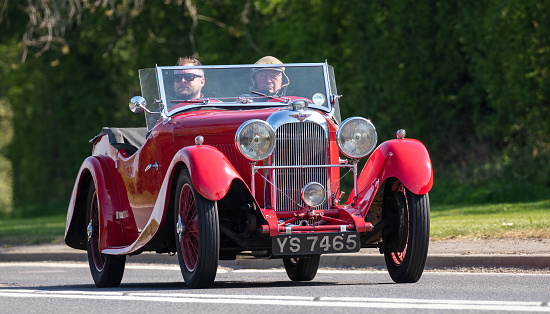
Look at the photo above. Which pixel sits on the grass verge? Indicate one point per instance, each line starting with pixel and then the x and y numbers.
pixel 509 220
pixel 29 231
pixel 519 220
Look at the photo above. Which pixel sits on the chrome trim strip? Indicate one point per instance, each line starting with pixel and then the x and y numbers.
pixel 162 94
pixel 304 166
pixel 236 66
pixel 355 178
pixel 252 181
pixel 327 83
pixel 283 117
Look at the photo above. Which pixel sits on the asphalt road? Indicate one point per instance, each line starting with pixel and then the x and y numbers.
pixel 63 287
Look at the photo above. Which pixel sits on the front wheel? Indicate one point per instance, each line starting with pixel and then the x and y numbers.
pixel 197 234
pixel 406 252
pixel 107 270
pixel 302 269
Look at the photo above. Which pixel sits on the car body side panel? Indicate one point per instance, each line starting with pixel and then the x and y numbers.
pixel 127 217
pixel 111 232
pixel 212 181
pixel 156 219
pixel 140 180
pixel 405 159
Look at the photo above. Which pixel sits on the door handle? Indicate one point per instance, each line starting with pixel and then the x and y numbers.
pixel 149 166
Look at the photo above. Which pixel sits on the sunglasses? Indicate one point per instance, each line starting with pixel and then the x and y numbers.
pixel 189 77
pixel 268 76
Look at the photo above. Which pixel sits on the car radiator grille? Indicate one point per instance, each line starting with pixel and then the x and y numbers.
pixel 302 143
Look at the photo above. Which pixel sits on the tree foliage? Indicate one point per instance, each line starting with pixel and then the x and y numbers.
pixel 468 78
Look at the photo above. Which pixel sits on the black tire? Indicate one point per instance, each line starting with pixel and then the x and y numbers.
pixel 407 250
pixel 107 270
pixel 302 269
pixel 197 234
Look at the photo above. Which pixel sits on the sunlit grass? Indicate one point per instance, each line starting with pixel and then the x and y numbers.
pixel 520 220
pixel 32 230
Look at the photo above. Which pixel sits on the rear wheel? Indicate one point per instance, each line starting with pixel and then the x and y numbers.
pixel 107 270
pixel 407 245
pixel 302 269
pixel 197 234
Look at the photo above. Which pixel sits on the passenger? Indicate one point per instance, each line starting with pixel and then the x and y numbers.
pixel 188 83
pixel 269 81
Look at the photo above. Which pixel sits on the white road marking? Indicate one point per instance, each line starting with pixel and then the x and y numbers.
pixel 327 302
pixel 43 264
pixel 320 271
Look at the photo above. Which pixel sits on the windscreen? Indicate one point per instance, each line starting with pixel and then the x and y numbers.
pixel 186 88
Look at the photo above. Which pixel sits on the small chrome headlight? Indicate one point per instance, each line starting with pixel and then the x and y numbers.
pixel 313 194
pixel 255 139
pixel 356 137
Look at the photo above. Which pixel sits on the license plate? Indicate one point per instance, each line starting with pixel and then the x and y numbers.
pixel 315 243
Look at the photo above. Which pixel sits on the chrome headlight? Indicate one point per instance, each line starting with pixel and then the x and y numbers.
pixel 255 139
pixel 313 194
pixel 356 137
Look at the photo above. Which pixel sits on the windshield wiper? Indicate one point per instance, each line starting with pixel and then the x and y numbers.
pixel 279 98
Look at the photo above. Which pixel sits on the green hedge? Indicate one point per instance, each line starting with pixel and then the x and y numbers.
pixel 468 78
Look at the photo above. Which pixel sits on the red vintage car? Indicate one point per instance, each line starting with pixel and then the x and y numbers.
pixel 252 165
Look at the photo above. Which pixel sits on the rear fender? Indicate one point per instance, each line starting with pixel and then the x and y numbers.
pixel 96 170
pixel 404 159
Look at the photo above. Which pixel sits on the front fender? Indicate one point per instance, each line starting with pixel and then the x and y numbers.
pixel 404 159
pixel 211 171
pixel 94 170
pixel 408 160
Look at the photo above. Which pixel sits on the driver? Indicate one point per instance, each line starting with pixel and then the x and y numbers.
pixel 269 81
pixel 188 83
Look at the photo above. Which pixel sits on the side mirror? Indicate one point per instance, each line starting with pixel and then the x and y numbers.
pixel 138 104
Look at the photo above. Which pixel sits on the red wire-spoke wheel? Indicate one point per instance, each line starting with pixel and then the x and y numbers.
pixel 197 233
pixel 407 240
pixel 107 270
pixel 98 258
pixel 398 256
pixel 189 241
